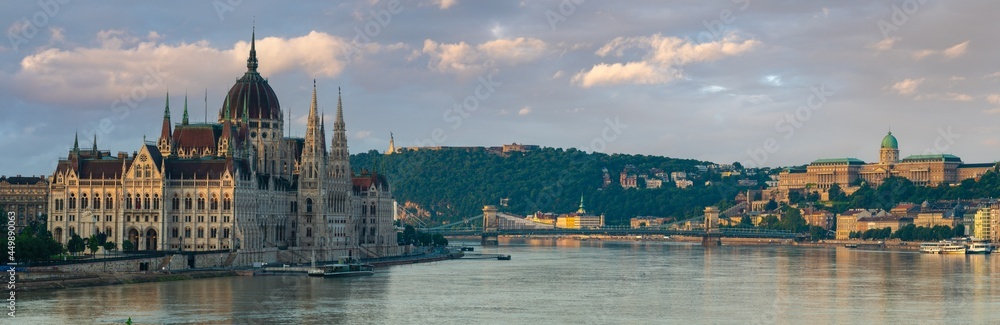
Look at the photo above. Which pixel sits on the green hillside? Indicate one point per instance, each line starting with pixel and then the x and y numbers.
pixel 455 184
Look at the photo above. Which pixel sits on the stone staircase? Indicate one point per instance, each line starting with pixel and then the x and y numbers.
pixel 368 252
pixel 734 210
pixel 165 263
pixel 230 259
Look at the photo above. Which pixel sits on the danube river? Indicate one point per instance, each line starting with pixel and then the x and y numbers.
pixel 568 281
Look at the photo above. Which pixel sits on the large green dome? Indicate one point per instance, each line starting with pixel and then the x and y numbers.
pixel 889 142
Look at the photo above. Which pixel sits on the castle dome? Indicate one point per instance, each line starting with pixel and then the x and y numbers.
pixel 252 92
pixel 889 142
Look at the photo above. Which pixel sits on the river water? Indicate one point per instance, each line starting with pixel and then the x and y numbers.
pixel 552 281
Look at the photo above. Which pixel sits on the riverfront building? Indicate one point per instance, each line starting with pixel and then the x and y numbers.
pixel 929 170
pixel 27 197
pixel 240 184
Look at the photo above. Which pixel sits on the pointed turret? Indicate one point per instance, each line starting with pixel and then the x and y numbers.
pixel 313 138
pixel 581 211
pixel 76 142
pixel 94 149
pixel 165 142
pixel 227 137
pixel 184 120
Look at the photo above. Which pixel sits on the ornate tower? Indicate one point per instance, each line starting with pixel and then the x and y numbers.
pixel 165 143
pixel 312 187
pixel 889 153
pixel 252 97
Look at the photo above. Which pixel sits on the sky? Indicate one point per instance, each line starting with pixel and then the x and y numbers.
pixel 774 83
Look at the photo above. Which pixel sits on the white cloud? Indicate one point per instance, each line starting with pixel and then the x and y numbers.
pixel 123 63
pixel 462 57
pixel 661 62
pixel 363 134
pixel 950 53
pixel 557 75
pixel 524 111
pixel 992 111
pixel 957 50
pixel 907 86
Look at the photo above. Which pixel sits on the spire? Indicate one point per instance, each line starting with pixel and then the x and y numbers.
pixel 252 60
pixel 166 109
pixel 312 130
pixel 581 210
pixel 165 128
pixel 184 120
pixel 339 124
pixel 95 145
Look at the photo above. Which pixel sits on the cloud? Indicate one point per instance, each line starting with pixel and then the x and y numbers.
pixel 955 97
pixel 993 99
pixel 885 44
pixel 445 4
pixel 462 57
pixel 992 111
pixel 661 63
pixel 122 63
pixel 524 111
pixel 907 86
pixel 957 50
pixel 363 134
pixel 950 53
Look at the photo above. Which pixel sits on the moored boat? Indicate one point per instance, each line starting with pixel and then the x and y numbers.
pixel 942 247
pixel 343 270
pixel 979 247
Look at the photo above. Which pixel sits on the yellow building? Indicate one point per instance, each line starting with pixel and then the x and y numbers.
pixel 579 219
pixel 981 224
pixel 929 170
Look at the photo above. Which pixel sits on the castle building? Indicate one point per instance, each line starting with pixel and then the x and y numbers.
pixel 239 184
pixel 927 170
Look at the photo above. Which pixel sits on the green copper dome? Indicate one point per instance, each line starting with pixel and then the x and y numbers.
pixel 889 142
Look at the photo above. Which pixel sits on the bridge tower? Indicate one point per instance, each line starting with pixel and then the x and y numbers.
pixel 490 226
pixel 712 236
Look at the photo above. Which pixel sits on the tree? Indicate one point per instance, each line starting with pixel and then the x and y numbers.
pixel 75 244
pixel 817 233
pixel 93 244
pixel 127 245
pixel 771 205
pixel 110 246
pixel 835 194
pixel 439 240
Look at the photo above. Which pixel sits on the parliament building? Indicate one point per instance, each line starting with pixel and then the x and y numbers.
pixel 240 185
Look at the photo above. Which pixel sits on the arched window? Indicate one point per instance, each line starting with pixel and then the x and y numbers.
pixel 213 233
pixel 83 201
pixel 187 203
pixel 225 232
pixel 97 201
pixel 138 201
pixel 109 203
pixel 148 173
pixel 156 201
pixel 309 205
pixel 187 232
pixel 201 232
pixel 128 201
pixel 145 202
pixel 227 203
pixel 174 232
pixel 201 202
pixel 309 232
pixel 176 203
pixel 214 205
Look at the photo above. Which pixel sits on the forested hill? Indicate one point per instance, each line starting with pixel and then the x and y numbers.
pixel 455 184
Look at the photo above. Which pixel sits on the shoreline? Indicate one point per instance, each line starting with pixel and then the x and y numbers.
pixel 58 280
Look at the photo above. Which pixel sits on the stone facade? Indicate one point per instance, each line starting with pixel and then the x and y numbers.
pixel 27 197
pixel 237 185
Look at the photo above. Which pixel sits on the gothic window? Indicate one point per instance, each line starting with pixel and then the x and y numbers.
pixel 138 202
pixel 174 232
pixel 201 232
pixel 225 232
pixel 176 203
pixel 309 232
pixel 215 203
pixel 213 233
pixel 128 201
pixel 227 203
pixel 145 202
pixel 201 203
pixel 109 203
pixel 309 205
pixel 187 203
pixel 83 201
pixel 156 201
pixel 187 232
pixel 97 201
